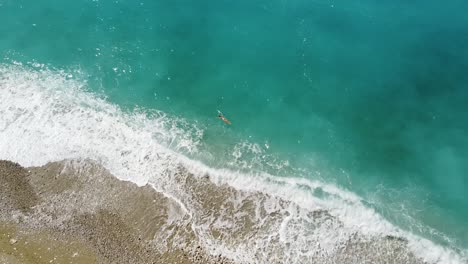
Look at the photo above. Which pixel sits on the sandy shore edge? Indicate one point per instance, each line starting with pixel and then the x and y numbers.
pixel 75 211
pixel 51 215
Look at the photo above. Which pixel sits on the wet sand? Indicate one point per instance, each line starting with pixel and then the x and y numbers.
pixel 77 212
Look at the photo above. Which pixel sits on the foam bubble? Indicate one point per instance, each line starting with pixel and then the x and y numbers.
pixel 48 115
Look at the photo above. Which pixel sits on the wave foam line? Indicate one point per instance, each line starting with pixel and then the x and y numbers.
pixel 47 115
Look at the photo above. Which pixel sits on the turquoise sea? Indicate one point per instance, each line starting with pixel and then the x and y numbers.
pixel 368 96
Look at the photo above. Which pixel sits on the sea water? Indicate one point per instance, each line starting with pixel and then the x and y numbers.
pixel 368 97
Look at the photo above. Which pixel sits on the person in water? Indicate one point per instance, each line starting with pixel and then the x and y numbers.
pixel 221 116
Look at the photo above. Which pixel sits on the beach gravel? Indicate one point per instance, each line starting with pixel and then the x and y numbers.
pixel 51 214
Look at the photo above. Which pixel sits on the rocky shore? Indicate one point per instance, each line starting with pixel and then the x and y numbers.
pixel 51 215
pixel 77 212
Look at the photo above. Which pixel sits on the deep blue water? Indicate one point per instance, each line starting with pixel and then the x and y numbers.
pixel 369 95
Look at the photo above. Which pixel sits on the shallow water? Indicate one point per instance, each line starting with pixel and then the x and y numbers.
pixel 369 97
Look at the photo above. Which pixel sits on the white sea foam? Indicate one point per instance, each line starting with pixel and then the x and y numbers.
pixel 46 115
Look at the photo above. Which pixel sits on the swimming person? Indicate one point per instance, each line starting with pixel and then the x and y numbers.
pixel 221 116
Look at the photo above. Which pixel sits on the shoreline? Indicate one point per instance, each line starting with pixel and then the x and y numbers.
pixel 44 218
pixel 86 215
